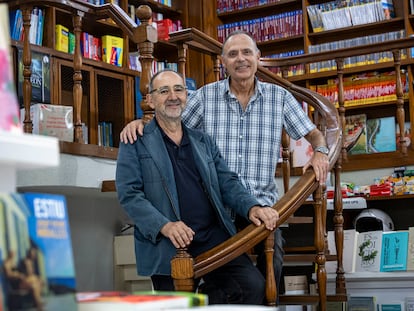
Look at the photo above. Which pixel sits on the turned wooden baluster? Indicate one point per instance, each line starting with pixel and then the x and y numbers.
pixel 338 219
pixel 216 68
pixel 271 290
pixel 400 100
pixel 319 241
pixel 341 103
pixel 77 78
pixel 182 271
pixel 145 36
pixel 285 149
pixel 182 58
pixel 27 72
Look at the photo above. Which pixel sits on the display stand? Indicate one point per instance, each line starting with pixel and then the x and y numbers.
pixel 25 152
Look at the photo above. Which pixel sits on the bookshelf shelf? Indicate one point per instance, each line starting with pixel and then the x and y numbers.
pixel 356 31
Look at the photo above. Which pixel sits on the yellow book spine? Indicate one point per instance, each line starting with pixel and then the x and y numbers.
pixel 62 38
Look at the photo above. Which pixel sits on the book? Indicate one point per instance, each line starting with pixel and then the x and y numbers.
pixel 368 252
pixel 349 251
pixel 407 133
pixel 394 251
pixel 112 50
pixel 381 135
pixel 355 141
pixel 36 252
pixel 301 152
pixel 40 77
pixel 410 251
pixel 62 38
pixel 362 303
pixel 195 299
pixel 409 303
pixel 391 306
pixel 121 301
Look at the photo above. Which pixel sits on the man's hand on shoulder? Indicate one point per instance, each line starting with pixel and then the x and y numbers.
pixel 266 215
pixel 129 132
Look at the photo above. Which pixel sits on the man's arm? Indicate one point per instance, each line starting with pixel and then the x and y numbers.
pixel 319 160
pixel 130 131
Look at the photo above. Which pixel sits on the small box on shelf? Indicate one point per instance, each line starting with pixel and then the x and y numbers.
pixel 52 120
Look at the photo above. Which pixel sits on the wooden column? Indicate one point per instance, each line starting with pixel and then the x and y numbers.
pixel 146 36
pixel 182 58
pixel 271 290
pixel 77 78
pixel 27 71
pixel 319 242
pixel 338 219
pixel 285 149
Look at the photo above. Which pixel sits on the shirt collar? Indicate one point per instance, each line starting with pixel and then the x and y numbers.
pixel 257 91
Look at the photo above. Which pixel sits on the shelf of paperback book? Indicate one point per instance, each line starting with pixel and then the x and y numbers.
pixel 25 152
pixel 385 285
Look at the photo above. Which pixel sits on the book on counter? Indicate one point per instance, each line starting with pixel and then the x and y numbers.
pixel 391 306
pixel 362 303
pixel 36 253
pixel 394 251
pixel 349 251
pixel 146 300
pixel 410 251
pixel 368 252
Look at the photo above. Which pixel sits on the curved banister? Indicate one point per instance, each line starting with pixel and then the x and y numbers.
pixel 252 234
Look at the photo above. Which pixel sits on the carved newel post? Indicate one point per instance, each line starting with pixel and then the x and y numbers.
pixel 145 35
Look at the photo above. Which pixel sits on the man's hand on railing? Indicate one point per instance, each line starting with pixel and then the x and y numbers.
pixel 130 131
pixel 266 215
pixel 179 233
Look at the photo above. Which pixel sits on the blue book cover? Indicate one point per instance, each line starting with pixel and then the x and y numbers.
pixel 381 135
pixel 36 253
pixel 394 251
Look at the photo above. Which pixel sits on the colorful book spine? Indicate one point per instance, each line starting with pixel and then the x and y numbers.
pixel 112 50
pixel 62 38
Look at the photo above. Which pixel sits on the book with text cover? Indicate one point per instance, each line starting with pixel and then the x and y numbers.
pixel 410 251
pixel 394 251
pixel 381 135
pixel 36 253
pixel 349 251
pixel 368 252
pixel 40 77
